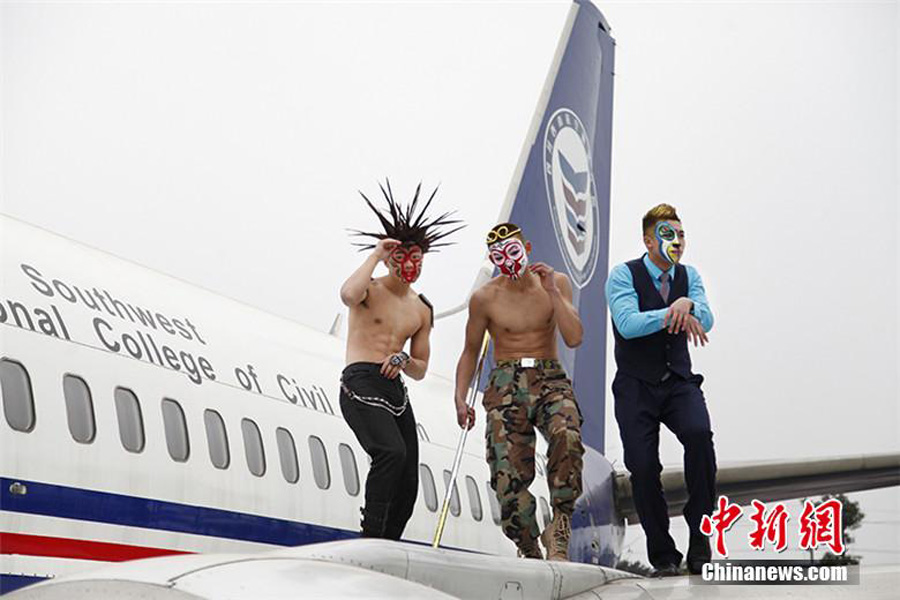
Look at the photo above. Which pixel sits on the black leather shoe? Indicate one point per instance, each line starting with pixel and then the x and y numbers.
pixel 667 571
pixel 695 566
pixel 698 554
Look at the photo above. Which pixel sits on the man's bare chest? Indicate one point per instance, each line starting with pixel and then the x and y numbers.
pixel 518 313
pixel 384 313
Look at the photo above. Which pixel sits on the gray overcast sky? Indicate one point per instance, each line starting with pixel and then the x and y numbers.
pixel 224 144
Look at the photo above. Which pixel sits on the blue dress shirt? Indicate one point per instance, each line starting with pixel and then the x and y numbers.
pixel 623 300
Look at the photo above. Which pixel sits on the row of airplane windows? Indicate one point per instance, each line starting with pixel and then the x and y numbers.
pixel 18 408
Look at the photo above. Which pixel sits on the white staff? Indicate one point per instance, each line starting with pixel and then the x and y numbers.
pixel 457 459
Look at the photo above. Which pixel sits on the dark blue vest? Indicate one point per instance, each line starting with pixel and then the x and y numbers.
pixel 650 357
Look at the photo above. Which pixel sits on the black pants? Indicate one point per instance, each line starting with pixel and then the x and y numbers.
pixel 368 403
pixel 679 404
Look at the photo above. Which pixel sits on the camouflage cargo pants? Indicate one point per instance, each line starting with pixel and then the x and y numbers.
pixel 516 401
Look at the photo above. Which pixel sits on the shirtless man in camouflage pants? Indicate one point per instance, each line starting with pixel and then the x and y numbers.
pixel 522 308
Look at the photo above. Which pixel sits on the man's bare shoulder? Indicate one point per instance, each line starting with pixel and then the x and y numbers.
pixel 371 288
pixel 426 309
pixel 562 280
pixel 487 292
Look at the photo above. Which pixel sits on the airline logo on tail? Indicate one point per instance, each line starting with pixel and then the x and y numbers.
pixel 572 193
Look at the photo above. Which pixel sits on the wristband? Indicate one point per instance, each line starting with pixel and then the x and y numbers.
pixel 401 358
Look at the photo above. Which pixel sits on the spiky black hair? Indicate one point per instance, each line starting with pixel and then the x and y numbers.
pixel 405 225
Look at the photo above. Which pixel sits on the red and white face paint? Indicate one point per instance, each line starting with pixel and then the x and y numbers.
pixel 406 263
pixel 510 257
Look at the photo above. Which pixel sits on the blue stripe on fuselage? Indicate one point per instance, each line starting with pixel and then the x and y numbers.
pixel 10 583
pixel 131 511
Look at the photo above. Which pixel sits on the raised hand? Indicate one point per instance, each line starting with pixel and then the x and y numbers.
pixel 546 273
pixel 384 248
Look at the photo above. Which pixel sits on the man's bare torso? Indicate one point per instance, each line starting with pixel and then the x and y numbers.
pixel 520 318
pixel 382 323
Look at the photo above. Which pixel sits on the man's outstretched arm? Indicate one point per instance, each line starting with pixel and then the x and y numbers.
pixel 356 287
pixel 465 368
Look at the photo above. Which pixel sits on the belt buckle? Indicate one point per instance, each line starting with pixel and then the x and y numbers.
pixel 527 363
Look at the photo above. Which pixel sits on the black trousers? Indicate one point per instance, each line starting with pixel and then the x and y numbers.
pixel 679 404
pixel 369 402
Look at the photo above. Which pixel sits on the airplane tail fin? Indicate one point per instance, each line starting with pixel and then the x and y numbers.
pixel 559 194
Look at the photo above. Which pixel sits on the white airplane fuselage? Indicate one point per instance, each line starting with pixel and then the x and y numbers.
pixel 68 311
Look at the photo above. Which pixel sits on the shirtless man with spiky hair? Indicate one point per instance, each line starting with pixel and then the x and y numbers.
pixel 385 313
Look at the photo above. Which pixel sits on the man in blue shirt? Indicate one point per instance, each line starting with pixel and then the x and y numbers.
pixel 658 305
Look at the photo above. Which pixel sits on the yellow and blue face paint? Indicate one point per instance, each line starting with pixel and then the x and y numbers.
pixel 669 244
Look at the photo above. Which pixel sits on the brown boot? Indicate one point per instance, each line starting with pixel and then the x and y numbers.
pixel 556 537
pixel 529 548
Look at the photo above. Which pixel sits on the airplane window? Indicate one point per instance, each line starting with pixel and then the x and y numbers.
pixel 131 421
pixel 474 498
pixel 216 439
pixel 287 452
pixel 492 501
pixel 545 512
pixel 18 401
pixel 176 430
pixel 348 466
pixel 428 489
pixel 319 462
pixel 79 409
pixel 455 508
pixel 253 448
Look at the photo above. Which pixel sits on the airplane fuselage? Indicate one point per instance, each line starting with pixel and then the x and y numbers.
pixel 172 420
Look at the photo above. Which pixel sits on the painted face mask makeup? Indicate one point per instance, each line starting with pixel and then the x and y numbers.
pixel 410 225
pixel 406 263
pixel 510 257
pixel 669 246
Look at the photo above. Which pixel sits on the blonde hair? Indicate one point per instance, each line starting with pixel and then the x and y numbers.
pixel 660 212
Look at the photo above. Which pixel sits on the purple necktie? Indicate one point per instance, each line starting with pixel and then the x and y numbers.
pixel 664 287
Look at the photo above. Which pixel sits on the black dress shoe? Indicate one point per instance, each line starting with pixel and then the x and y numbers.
pixel 698 554
pixel 667 571
pixel 695 566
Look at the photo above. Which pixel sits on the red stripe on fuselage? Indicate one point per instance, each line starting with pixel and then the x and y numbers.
pixel 38 545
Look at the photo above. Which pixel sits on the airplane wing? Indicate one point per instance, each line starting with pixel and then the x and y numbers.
pixel 775 480
pixel 369 568
pixel 362 568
